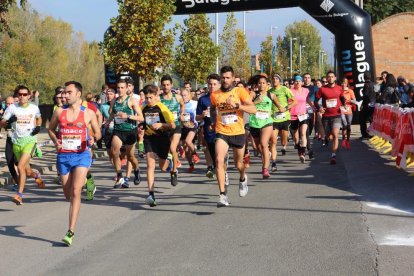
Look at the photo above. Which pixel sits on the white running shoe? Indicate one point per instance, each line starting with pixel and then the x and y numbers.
pixel 223 201
pixel 243 189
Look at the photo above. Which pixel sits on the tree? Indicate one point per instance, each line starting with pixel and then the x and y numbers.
pixel 196 54
pixel 241 61
pixel 5 5
pixel 137 41
pixel 265 59
pixel 379 10
pixel 228 40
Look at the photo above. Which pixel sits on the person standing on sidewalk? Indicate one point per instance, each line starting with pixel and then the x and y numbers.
pixel 25 120
pixel 73 146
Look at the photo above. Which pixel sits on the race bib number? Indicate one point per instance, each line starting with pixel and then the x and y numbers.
pixel 120 120
pixel 71 142
pixel 344 109
pixel 24 127
pixel 302 117
pixel 280 116
pixel 331 103
pixel 262 115
pixel 229 118
pixel 187 117
pixel 208 112
pixel 152 118
pixel 175 115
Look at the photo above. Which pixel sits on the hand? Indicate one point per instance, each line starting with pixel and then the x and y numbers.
pixel 212 127
pixel 156 126
pixel 91 141
pixel 35 131
pixel 282 109
pixel 230 101
pixel 321 110
pixel 58 145
pixel 122 115
pixel 205 113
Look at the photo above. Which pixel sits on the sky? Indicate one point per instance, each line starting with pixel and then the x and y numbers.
pixel 91 17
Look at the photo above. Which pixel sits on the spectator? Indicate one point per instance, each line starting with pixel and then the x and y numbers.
pixel 368 105
pixel 390 94
pixel 102 95
pixel 410 94
pixel 403 87
pixel 35 97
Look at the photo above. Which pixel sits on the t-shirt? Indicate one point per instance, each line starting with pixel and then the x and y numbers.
pixel 349 96
pixel 157 113
pixel 205 103
pixel 263 115
pixel 300 108
pixel 331 100
pixel 283 94
pixel 190 114
pixel 26 122
pixel 229 120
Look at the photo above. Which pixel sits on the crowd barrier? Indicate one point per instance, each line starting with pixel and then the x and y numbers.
pixel 393 130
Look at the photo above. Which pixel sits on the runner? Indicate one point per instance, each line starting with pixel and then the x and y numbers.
pixel 346 114
pixel 203 113
pixel 307 83
pixel 175 104
pixel 189 129
pixel 107 132
pixel 73 146
pixel 125 131
pixel 158 122
pixel 10 157
pixel 332 98
pixel 281 117
pixel 25 121
pixel 261 123
pixel 299 117
pixel 227 107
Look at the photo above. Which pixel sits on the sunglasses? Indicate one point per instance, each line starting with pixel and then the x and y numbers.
pixel 23 94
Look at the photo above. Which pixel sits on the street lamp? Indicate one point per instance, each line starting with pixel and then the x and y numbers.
pixel 320 61
pixel 217 42
pixel 244 21
pixel 272 28
pixel 291 41
pixel 300 57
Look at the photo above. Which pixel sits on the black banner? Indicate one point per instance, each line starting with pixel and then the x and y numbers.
pixel 350 24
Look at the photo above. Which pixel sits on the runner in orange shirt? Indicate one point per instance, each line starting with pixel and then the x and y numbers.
pixel 346 114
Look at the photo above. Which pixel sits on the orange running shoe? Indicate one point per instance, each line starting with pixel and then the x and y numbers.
pixel 343 144
pixel 18 200
pixel 123 162
pixel 191 169
pixel 40 183
pixel 246 160
pixel 196 158
pixel 348 145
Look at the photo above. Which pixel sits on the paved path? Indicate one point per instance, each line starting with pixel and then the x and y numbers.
pixel 308 219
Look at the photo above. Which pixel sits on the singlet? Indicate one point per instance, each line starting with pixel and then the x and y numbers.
pixel 229 120
pixel 122 124
pixel 283 94
pixel 26 118
pixel 263 116
pixel 189 115
pixel 157 113
pixel 174 106
pixel 331 100
pixel 73 135
pixel 300 108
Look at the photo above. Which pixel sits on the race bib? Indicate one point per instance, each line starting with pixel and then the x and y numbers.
pixel 344 109
pixel 24 127
pixel 175 115
pixel 120 120
pixel 262 115
pixel 71 142
pixel 331 103
pixel 302 117
pixel 279 116
pixel 152 118
pixel 229 118
pixel 187 117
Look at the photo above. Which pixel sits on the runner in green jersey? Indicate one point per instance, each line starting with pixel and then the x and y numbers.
pixel 281 117
pixel 261 122
pixel 176 105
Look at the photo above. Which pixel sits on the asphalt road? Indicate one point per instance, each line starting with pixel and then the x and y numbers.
pixel 354 218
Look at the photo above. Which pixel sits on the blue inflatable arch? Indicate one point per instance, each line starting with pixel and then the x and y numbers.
pixel 350 24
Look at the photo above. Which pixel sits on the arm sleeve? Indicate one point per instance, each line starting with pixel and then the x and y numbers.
pixel 199 109
pixel 8 112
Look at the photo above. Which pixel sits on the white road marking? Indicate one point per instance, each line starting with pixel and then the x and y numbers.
pixel 398 240
pixel 386 207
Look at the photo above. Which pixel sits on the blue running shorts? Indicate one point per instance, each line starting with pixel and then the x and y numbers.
pixel 66 162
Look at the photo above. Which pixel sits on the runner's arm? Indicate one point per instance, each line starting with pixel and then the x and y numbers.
pixel 53 125
pixel 135 106
pixel 276 102
pixel 94 124
pixel 248 106
pixel 182 105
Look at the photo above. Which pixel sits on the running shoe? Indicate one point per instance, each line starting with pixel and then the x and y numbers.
pixel 325 142
pixel 38 179
pixel 119 183
pixel 348 145
pixel 137 178
pixel 311 154
pixel 283 151
pixel 90 188
pixel 57 180
pixel 125 185
pixel 243 188
pixel 265 173
pixel 191 169
pixel 196 158
pixel 343 144
pixel 178 164
pixel 18 200
pixel 333 160
pixel 68 238
pixel 274 166
pixel 151 201
pixel 174 178
pixel 223 201
pixel 170 164
pixel 181 152
pixel 246 160
pixel 141 147
pixel 302 158
pixel 124 162
pixel 226 182
pixel 210 173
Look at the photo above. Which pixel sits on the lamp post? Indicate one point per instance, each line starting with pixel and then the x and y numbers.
pixel 320 62
pixel 300 57
pixel 217 42
pixel 291 42
pixel 244 21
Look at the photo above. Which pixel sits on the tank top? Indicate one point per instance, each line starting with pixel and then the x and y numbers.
pixel 263 116
pixel 174 106
pixel 120 123
pixel 73 135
